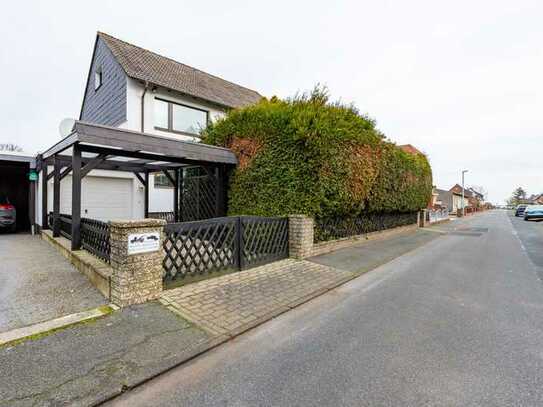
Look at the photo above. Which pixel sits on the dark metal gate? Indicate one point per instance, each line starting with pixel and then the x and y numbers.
pixel 219 244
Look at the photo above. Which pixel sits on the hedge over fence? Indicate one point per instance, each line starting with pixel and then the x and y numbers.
pixel 306 155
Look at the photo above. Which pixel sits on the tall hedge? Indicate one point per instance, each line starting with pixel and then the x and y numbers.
pixel 307 155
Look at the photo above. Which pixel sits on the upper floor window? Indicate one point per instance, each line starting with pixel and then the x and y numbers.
pixel 97 78
pixel 179 118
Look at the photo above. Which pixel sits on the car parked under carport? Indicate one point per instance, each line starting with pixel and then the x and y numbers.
pixel 17 187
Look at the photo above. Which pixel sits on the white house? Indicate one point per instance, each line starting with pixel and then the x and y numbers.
pixel 132 88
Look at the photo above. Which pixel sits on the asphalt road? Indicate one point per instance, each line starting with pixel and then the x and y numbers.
pixel 456 322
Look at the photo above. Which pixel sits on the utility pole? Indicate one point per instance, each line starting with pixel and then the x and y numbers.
pixel 463 206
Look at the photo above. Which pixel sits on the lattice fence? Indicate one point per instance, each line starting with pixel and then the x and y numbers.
pixel 198 196
pixel 337 228
pixel 230 243
pixel 200 247
pixel 95 238
pixel 263 240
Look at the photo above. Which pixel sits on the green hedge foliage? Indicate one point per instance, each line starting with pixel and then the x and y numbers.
pixel 306 155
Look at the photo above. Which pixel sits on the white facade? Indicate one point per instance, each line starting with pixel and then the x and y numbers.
pixel 160 198
pixel 103 192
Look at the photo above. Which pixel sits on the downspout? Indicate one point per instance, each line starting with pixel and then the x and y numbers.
pixel 143 106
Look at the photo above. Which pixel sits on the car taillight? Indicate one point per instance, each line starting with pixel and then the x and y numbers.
pixel 7 207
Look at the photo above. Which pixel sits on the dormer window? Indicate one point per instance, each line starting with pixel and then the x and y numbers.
pixel 97 78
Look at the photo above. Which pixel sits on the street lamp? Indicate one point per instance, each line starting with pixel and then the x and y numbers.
pixel 463 208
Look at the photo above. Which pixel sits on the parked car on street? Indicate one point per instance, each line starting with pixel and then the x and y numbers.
pixel 8 214
pixel 533 212
pixel 520 210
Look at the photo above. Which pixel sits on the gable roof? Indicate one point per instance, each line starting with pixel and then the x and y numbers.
pixel 144 65
pixel 457 189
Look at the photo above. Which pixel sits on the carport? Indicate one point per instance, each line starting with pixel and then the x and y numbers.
pixel 16 185
pixel 93 147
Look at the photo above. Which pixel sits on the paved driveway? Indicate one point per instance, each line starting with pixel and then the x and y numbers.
pixel 38 284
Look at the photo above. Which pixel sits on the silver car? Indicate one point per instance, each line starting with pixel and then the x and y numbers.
pixel 8 214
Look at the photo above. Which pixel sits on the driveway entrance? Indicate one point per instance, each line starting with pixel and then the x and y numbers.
pixel 38 284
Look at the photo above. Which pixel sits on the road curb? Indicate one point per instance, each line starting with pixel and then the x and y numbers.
pixel 45 328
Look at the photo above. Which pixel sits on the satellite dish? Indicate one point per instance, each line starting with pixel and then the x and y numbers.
pixel 66 127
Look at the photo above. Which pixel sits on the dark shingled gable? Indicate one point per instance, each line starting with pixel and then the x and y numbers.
pixel 144 65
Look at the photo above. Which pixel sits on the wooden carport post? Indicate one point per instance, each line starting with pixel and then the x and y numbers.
pixel 44 215
pixel 56 196
pixel 76 197
pixel 146 197
pixel 176 195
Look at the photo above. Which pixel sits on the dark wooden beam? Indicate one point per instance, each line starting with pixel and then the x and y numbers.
pixel 140 178
pixel 146 198
pixel 169 176
pixel 56 198
pixel 176 196
pixel 130 153
pixel 76 198
pixel 181 187
pixel 62 145
pixel 44 224
pixel 65 172
pixel 93 164
pixel 127 166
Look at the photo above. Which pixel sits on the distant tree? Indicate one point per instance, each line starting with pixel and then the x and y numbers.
pixel 518 196
pixel 479 189
pixel 10 147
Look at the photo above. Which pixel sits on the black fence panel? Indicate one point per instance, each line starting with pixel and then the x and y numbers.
pixel 263 240
pixel 198 195
pixel 337 228
pixel 95 237
pixel 230 243
pixel 65 224
pixel 200 247
pixel 94 234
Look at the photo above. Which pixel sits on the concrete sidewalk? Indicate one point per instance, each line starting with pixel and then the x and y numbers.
pixel 91 362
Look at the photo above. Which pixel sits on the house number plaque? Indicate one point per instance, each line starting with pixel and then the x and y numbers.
pixel 143 242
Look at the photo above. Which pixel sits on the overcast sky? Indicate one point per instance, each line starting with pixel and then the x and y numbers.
pixel 461 80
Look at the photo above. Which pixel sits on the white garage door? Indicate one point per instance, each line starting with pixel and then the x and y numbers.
pixel 101 197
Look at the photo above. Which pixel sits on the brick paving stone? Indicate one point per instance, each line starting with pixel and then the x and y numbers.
pixel 229 303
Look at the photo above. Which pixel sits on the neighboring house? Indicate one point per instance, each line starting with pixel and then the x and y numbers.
pixel 136 89
pixel 452 199
pixel 456 191
pixel 536 199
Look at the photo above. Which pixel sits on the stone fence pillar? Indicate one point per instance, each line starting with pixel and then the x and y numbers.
pixel 136 259
pixel 300 229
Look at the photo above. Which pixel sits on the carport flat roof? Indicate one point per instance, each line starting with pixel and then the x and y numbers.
pixel 18 158
pixel 132 149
